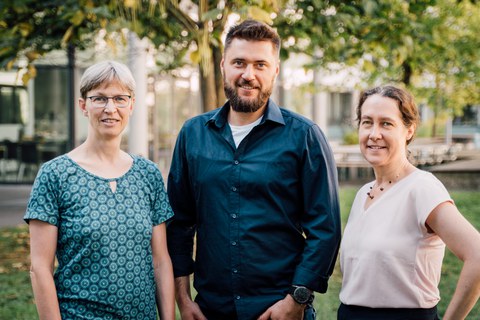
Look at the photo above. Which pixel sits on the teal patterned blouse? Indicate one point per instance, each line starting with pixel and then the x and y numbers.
pixel 105 264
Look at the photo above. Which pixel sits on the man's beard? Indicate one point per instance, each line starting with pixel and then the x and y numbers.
pixel 240 104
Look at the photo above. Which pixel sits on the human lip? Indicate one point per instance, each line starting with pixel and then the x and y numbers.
pixel 375 147
pixel 247 86
pixel 109 120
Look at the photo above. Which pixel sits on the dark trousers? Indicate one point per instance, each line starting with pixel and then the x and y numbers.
pixel 310 314
pixel 349 312
pixel 215 315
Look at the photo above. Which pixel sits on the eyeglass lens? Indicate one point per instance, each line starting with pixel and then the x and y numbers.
pixel 120 101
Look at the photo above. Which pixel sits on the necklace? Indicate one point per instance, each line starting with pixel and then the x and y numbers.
pixel 402 169
pixel 380 187
pixel 370 193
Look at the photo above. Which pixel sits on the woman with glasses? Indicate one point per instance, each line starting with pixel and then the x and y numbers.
pixel 101 212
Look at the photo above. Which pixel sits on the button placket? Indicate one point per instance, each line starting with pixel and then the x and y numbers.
pixel 234 227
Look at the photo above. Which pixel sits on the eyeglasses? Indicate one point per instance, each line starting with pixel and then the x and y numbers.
pixel 121 101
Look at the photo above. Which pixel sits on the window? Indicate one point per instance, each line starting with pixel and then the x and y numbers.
pixel 340 111
pixel 13 104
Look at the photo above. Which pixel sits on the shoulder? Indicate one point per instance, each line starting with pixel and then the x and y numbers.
pixel 423 180
pixel 56 165
pixel 426 190
pixel 52 176
pixel 143 163
pixel 302 126
pixel 296 119
pixel 305 130
pixel 200 119
pixel 146 170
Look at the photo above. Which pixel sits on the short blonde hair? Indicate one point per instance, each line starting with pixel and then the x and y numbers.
pixel 106 72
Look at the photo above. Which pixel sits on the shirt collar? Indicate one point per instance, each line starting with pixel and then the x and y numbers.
pixel 272 113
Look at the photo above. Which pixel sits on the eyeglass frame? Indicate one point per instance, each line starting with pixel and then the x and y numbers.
pixel 112 97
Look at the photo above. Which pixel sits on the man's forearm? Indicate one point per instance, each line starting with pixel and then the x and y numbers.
pixel 182 290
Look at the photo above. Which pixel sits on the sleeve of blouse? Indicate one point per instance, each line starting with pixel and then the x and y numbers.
pixel 429 193
pixel 161 210
pixel 44 197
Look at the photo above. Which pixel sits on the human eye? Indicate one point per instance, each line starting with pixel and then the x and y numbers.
pixel 121 99
pixel 386 124
pixel 99 99
pixel 261 65
pixel 238 63
pixel 366 122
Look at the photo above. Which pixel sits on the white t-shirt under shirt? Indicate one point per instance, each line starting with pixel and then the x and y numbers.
pixel 240 132
pixel 387 257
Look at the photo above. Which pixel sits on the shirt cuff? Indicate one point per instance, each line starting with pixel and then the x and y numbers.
pixel 310 280
pixel 182 265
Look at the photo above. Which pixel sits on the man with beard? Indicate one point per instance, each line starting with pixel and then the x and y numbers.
pixel 257 185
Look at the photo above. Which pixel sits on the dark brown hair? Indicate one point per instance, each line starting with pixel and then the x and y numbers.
pixel 254 31
pixel 406 104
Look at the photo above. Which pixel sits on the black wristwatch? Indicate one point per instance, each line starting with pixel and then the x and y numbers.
pixel 301 294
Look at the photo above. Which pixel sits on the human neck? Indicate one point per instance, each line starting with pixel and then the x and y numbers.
pixel 103 151
pixel 236 118
pixel 393 173
pixel 385 178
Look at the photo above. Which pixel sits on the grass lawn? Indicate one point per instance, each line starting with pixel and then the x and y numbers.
pixel 16 298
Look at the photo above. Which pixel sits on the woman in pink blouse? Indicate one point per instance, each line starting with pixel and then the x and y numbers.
pixel 399 224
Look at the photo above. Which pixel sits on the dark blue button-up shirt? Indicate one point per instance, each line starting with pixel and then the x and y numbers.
pixel 265 214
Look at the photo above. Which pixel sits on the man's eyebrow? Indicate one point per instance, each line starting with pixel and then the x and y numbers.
pixel 255 61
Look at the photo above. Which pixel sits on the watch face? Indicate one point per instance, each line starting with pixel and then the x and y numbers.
pixel 301 295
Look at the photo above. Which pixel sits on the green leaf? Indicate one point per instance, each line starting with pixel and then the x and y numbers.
pixel 68 35
pixel 212 15
pixel 77 18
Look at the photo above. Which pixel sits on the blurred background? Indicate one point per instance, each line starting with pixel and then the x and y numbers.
pixel 331 51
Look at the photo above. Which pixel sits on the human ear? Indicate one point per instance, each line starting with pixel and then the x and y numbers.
pixel 411 131
pixel 83 106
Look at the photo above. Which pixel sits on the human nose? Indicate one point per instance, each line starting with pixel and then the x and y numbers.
pixel 110 106
pixel 375 133
pixel 249 73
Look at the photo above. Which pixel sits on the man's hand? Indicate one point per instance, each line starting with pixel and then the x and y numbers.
pixel 191 311
pixel 286 309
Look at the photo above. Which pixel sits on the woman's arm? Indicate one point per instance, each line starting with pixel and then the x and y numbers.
pixel 43 245
pixel 464 241
pixel 163 273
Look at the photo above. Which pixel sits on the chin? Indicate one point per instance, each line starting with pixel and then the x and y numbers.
pixel 374 161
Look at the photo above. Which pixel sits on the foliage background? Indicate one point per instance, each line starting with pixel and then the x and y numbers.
pixel 429 46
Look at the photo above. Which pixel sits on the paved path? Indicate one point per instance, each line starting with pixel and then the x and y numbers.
pixel 13 202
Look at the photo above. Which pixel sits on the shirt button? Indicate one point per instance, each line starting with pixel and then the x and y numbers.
pixel 234 189
pixel 235 270
pixel 237 297
pixel 234 243
pixel 236 162
pixel 234 216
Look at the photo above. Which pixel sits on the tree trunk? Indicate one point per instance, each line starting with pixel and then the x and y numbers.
pixel 407 72
pixel 434 124
pixel 217 58
pixel 71 97
pixel 436 106
pixel 207 85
